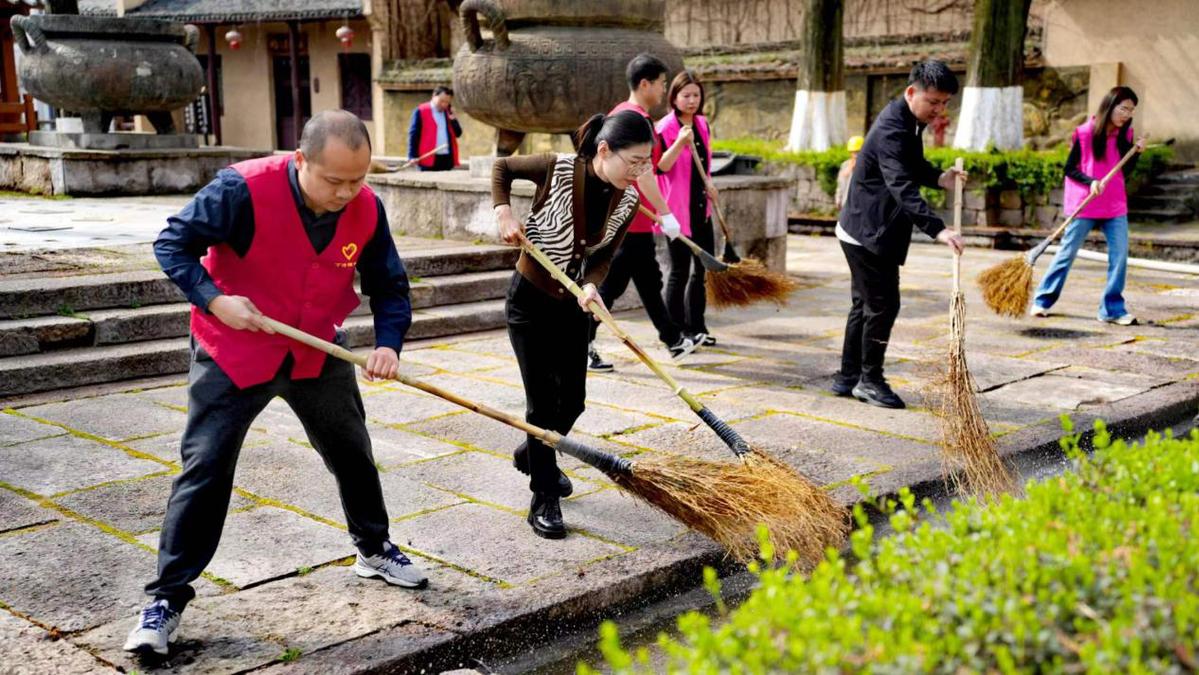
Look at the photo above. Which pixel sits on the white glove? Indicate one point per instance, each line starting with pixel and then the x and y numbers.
pixel 670 226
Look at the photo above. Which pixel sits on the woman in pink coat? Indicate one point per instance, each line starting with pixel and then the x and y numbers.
pixel 684 190
pixel 1096 147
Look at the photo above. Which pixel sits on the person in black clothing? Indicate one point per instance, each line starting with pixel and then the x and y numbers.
pixel 875 226
pixel 547 326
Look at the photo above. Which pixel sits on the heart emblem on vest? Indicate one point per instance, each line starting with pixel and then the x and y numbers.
pixel 349 250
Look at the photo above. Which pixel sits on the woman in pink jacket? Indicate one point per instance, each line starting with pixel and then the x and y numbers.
pixel 1097 146
pixel 684 190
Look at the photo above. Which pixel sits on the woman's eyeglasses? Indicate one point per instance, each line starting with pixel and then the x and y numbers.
pixel 635 167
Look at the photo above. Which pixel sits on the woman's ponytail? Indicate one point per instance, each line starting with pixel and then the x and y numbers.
pixel 586 137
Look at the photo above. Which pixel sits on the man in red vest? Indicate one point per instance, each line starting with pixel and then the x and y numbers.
pixel 280 236
pixel 433 132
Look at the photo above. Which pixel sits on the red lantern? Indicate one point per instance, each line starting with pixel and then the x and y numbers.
pixel 345 35
pixel 234 37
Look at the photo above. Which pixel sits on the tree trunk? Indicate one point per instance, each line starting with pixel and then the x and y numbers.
pixel 818 122
pixel 412 29
pixel 992 111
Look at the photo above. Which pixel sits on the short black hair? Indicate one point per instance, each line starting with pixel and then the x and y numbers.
pixel 644 66
pixel 341 124
pixel 933 74
pixel 442 89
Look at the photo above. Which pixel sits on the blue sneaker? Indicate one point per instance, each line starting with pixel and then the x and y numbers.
pixel 391 566
pixel 155 628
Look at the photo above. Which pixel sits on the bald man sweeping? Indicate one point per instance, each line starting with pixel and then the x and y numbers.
pixel 280 236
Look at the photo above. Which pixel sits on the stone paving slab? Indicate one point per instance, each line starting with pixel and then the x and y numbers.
pixel 33 579
pixel 481 539
pixel 18 429
pixel 62 463
pixel 291 474
pixel 134 506
pixel 267 542
pixel 459 506
pixel 17 512
pixel 28 649
pixel 116 418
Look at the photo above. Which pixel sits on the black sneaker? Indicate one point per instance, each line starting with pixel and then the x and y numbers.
pixel 843 385
pixel 877 393
pixel 520 460
pixel 545 515
pixel 680 349
pixel 709 341
pixel 596 363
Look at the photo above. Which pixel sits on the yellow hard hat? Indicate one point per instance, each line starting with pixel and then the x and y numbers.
pixel 855 143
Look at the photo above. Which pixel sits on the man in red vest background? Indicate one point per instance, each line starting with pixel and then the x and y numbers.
pixel 280 236
pixel 433 132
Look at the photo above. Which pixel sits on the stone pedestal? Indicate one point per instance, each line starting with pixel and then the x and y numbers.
pixel 69 171
pixel 456 205
pixel 114 141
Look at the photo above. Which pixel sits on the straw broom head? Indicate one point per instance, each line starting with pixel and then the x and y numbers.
pixel 1007 287
pixel 747 282
pixel 727 502
pixel 968 451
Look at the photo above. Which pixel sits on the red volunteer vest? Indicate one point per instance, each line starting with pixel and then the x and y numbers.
pixel 428 135
pixel 284 277
pixel 641 222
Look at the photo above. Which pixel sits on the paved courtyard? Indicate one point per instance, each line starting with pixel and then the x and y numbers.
pixel 84 481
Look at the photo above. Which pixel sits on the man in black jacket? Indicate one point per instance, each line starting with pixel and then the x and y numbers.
pixel 876 222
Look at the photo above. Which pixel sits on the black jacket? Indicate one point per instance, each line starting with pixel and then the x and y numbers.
pixel 884 199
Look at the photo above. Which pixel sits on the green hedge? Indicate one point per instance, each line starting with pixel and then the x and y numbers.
pixel 1096 570
pixel 1031 172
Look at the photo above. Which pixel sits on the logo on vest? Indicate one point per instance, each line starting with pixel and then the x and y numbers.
pixel 349 251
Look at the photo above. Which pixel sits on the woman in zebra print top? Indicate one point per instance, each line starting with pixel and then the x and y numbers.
pixel 583 205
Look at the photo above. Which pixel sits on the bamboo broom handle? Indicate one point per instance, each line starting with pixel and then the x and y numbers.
pixel 958 188
pixel 428 154
pixel 602 314
pixel 695 248
pixel 724 227
pixel 1036 252
pixel 548 437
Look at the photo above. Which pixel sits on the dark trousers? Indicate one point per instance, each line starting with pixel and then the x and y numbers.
pixel 549 337
pixel 686 297
pixel 440 163
pixel 636 260
pixel 875 289
pixel 218 417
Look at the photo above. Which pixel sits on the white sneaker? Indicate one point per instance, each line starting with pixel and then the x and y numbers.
pixel 1123 320
pixel 155 628
pixel 1038 311
pixel 391 566
pixel 681 349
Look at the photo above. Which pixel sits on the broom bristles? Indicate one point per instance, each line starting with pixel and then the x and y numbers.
pixel 1007 287
pixel 969 453
pixel 727 502
pixel 747 282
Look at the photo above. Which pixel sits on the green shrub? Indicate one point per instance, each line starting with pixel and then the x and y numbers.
pixel 1031 172
pixel 1096 570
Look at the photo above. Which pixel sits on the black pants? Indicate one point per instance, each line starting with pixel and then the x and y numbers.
pixel 875 286
pixel 686 298
pixel 440 163
pixel 636 261
pixel 218 417
pixel 549 337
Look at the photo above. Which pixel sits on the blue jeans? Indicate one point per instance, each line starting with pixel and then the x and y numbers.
pixel 1115 231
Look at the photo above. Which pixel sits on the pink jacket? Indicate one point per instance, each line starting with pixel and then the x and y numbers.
pixel 1114 201
pixel 676 183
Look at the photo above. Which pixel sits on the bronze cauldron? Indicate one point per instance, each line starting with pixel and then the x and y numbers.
pixel 551 64
pixel 99 67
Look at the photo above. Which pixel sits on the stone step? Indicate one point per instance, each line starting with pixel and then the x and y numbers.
pixel 1163 215
pixel 76 367
pixel 1178 190
pixel 1159 202
pixel 119 326
pixel 34 297
pixel 1189 177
